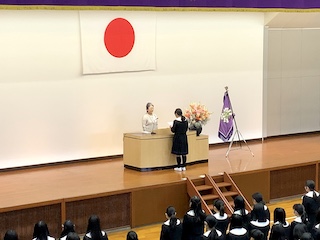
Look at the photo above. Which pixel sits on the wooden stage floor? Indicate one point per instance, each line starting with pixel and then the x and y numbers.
pixel 28 187
pixel 76 190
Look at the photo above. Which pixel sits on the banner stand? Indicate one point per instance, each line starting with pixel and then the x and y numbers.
pixel 236 133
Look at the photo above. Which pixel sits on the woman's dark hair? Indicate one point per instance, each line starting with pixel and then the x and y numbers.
pixel 197 208
pixel 299 208
pixel 219 204
pixel 311 185
pixel 73 236
pixel 258 197
pixel 40 231
pixel 132 235
pixel 212 222
pixel 259 213
pixel 279 215
pixel 10 235
pixel 236 221
pixel 306 236
pixel 239 204
pixel 94 227
pixel 298 230
pixel 171 212
pixel 68 226
pixel 178 111
pixel 256 234
pixel 148 105
pixel 277 232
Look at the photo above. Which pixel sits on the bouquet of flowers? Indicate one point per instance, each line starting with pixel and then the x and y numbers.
pixel 197 114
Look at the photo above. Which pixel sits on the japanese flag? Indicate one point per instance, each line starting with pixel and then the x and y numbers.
pixel 117 41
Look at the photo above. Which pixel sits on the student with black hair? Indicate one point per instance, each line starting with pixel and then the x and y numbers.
pixel 258 198
pixel 260 220
pixel 221 216
pixel 180 140
pixel 41 231
pixel 94 231
pixel 237 231
pixel 193 221
pixel 239 208
pixel 10 235
pixel 132 235
pixel 310 201
pixel 300 219
pixel 68 227
pixel 172 228
pixel 279 222
pixel 212 233
pixel 256 234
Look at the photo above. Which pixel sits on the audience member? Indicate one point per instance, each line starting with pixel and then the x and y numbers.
pixel 237 231
pixel 94 231
pixel 172 228
pixel 41 231
pixel 279 221
pixel 298 231
pixel 300 218
pixel 258 198
pixel 256 235
pixel 72 236
pixel 193 221
pixel 239 208
pixel 68 227
pixel 221 216
pixel 310 201
pixel 211 232
pixel 277 233
pixel 10 235
pixel 132 235
pixel 259 220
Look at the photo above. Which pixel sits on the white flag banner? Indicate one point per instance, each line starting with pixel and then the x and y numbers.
pixel 117 41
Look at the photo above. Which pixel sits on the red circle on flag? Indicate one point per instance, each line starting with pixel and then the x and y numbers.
pixel 119 37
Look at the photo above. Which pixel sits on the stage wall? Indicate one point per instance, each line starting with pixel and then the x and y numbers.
pixel 52 113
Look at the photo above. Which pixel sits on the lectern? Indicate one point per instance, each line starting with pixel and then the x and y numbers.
pixel 145 152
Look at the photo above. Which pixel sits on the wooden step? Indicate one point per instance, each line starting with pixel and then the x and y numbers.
pixel 210 197
pixel 224 184
pixel 203 187
pixel 230 194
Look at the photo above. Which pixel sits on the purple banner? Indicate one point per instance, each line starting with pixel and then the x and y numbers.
pixel 290 4
pixel 226 119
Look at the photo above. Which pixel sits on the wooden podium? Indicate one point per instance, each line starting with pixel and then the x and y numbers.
pixel 145 151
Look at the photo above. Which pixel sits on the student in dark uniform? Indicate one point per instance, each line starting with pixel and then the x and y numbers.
pixel 172 228
pixel 193 221
pixel 180 141
pixel 41 231
pixel 260 220
pixel 221 216
pixel 212 233
pixel 310 201
pixel 239 208
pixel 237 231
pixel 298 231
pixel 132 235
pixel 68 227
pixel 277 233
pixel 258 198
pixel 300 219
pixel 316 229
pixel 10 235
pixel 94 231
pixel 279 221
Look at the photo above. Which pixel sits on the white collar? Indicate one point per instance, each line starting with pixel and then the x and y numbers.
pixel 298 219
pixel 260 224
pixel 167 223
pixel 209 231
pixel 238 231
pixel 310 194
pixel 217 216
